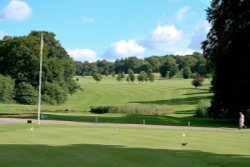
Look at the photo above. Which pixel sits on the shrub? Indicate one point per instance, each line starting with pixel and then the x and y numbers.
pixel 26 93
pixel 197 81
pixel 202 108
pixel 137 109
pixel 100 109
pixel 7 85
pixel 53 93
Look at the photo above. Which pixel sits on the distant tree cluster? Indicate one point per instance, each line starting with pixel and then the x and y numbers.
pixel 168 66
pixel 19 69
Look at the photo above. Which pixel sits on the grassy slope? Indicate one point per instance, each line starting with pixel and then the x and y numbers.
pixel 178 94
pixel 90 146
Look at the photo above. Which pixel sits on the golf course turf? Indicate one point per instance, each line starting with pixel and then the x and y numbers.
pixel 109 146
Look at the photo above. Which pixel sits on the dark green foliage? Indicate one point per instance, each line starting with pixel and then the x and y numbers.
pixel 143 76
pixel 169 68
pixel 19 59
pixel 136 109
pixel 131 76
pixel 97 77
pixel 99 109
pixel 53 93
pixel 197 81
pixel 196 62
pixel 227 49
pixel 26 93
pixel 7 86
pixel 119 77
pixel 151 77
pixel 186 73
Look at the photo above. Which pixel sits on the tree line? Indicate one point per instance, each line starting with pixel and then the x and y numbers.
pixel 168 66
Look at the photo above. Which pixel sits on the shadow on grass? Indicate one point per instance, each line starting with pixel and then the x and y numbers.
pixel 93 155
pixel 177 101
pixel 149 119
pixel 197 93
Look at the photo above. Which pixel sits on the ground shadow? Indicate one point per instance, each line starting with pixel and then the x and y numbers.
pixel 150 119
pixel 197 93
pixel 176 101
pixel 87 155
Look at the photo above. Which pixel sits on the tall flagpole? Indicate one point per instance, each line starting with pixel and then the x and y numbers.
pixel 40 80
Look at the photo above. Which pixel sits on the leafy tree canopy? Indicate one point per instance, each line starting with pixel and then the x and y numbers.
pixel 19 59
pixel 227 49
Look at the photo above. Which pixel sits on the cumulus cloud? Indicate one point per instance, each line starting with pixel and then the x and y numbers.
pixel 181 12
pixel 163 37
pixel 16 10
pixel 123 49
pixel 82 54
pixel 87 20
pixel 199 35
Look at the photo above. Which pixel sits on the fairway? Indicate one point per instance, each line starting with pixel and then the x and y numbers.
pixel 96 146
pixel 178 94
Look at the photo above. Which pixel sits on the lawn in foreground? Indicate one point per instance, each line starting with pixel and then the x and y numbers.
pixel 97 146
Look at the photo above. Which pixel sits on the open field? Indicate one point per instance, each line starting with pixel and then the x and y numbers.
pixel 32 145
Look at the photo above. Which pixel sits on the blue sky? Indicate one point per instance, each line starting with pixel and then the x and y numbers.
pixel 91 30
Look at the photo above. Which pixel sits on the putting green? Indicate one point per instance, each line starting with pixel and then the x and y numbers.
pixel 32 145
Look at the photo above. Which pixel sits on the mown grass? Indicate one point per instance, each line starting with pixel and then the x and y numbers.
pixel 97 146
pixel 178 95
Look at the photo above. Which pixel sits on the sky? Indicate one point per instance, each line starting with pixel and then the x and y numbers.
pixel 92 30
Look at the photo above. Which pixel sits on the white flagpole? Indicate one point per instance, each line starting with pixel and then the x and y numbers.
pixel 40 81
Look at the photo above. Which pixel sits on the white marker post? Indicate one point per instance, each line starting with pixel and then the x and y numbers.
pixel 40 81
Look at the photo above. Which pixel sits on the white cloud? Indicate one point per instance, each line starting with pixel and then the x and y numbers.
pixel 183 52
pixel 163 37
pixel 123 49
pixel 16 10
pixel 82 54
pixel 199 35
pixel 87 20
pixel 181 12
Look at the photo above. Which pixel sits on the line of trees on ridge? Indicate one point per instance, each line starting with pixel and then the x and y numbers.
pixel 168 66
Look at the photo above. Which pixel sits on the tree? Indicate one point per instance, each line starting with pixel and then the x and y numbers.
pixel 53 93
pixel 119 77
pixel 151 77
pixel 169 68
pixel 19 59
pixel 143 76
pixel 26 93
pixel 227 49
pixel 7 86
pixel 131 76
pixel 187 72
pixel 97 77
pixel 197 81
